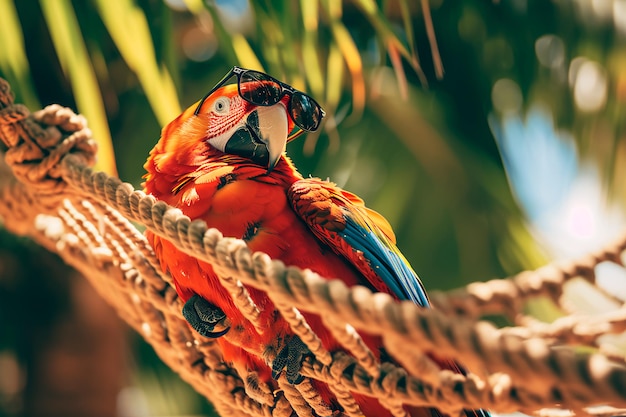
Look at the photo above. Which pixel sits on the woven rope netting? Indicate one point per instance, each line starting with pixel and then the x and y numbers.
pixel 50 194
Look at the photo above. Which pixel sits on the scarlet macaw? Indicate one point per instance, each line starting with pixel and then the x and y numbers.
pixel 222 160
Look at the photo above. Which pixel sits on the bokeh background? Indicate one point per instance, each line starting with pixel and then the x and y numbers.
pixel 490 134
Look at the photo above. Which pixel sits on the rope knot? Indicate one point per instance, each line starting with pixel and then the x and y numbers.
pixel 37 142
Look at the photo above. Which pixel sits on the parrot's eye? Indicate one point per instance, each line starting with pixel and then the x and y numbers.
pixel 221 105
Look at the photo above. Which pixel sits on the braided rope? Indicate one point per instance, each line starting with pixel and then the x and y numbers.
pixel 84 216
pixel 507 296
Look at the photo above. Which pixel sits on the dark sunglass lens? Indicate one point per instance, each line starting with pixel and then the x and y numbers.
pixel 305 112
pixel 259 88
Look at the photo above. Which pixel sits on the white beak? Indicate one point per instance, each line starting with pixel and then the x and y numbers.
pixel 272 130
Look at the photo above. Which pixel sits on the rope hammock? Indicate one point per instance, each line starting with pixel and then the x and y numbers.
pixel 49 193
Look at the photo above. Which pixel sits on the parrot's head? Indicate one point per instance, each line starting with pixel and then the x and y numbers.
pixel 249 121
pixel 236 127
pixel 225 124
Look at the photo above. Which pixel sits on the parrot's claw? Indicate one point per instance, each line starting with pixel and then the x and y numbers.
pixel 204 317
pixel 258 390
pixel 290 358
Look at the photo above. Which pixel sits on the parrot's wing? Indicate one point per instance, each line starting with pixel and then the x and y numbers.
pixel 341 220
pixel 362 236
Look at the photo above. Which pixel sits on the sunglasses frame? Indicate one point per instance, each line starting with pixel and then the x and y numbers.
pixel 286 90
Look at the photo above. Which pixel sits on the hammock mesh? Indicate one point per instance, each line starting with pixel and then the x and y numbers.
pixel 49 193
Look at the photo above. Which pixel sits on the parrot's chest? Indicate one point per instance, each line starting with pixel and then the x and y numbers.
pixel 257 212
pixel 254 211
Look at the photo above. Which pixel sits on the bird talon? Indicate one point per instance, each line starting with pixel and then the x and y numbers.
pixel 205 318
pixel 290 359
pixel 258 390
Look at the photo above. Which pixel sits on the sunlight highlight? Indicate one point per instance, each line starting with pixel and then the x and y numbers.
pixel 565 202
pixel 580 221
pixel 590 85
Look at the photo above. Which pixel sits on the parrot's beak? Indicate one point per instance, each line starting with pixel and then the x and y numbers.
pixel 273 131
pixel 264 137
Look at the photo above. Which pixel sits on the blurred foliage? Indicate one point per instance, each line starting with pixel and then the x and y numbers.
pixel 408 87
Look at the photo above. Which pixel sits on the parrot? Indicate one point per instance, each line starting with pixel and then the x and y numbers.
pixel 223 160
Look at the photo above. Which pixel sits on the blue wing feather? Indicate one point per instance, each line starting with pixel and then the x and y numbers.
pixel 362 236
pixel 393 269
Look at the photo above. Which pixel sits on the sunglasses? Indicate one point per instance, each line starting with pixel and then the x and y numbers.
pixel 261 89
